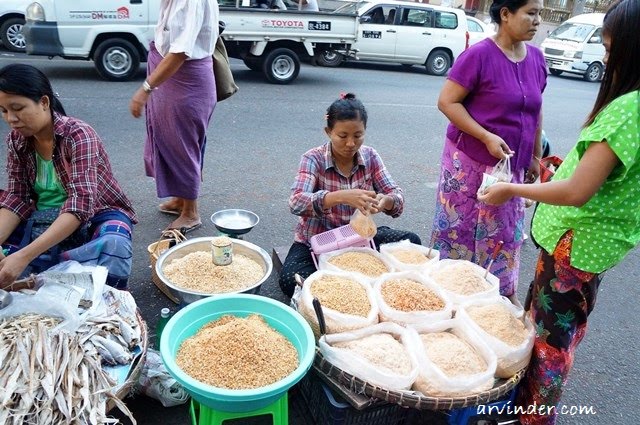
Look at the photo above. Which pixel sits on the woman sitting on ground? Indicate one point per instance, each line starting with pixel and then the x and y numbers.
pixel 336 179
pixel 59 181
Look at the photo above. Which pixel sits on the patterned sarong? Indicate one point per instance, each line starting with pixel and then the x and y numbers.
pixel 464 228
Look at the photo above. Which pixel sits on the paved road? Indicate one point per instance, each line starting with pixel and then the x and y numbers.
pixel 255 142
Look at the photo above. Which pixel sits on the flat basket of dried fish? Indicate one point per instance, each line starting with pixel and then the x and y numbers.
pixel 54 375
pixel 48 377
pixel 412 399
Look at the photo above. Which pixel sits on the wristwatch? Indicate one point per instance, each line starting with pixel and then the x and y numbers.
pixel 146 87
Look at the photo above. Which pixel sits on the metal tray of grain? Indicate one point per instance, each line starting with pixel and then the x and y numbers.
pixel 187 296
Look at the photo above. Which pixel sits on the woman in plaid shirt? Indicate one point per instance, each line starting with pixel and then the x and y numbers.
pixel 336 179
pixel 58 174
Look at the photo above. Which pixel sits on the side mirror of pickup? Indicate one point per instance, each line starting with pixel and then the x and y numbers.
pixel 365 19
pixel 595 40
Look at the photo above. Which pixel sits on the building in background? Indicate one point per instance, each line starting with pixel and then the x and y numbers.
pixel 555 11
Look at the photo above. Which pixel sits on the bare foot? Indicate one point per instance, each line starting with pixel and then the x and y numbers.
pixel 172 206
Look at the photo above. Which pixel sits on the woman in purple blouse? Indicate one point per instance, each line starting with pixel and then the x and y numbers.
pixel 493 99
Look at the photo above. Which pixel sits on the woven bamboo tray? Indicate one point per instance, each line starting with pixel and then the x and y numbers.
pixel 415 400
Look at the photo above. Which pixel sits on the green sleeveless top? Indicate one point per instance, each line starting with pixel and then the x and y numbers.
pixel 47 186
pixel 607 227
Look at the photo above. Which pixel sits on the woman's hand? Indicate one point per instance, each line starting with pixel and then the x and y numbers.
pixel 496 194
pixel 364 200
pixel 11 267
pixel 533 172
pixel 496 146
pixel 138 100
pixel 383 203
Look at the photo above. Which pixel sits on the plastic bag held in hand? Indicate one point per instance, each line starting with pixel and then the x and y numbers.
pixel 363 224
pixel 501 172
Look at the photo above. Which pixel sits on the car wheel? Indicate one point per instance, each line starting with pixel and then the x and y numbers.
pixel 281 66
pixel 594 73
pixel 555 72
pixel 116 59
pixel 438 63
pixel 11 35
pixel 330 59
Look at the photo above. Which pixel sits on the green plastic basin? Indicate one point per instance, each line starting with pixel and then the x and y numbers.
pixel 279 316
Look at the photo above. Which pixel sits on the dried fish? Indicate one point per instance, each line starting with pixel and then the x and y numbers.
pixel 119 353
pixel 51 376
pixel 129 333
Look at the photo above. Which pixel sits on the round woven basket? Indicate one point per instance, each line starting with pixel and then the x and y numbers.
pixel 416 400
pixel 127 387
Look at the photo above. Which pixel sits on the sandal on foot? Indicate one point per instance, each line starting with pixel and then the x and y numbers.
pixel 186 229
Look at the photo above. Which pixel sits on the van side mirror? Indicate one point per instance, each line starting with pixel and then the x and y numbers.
pixel 365 19
pixel 595 40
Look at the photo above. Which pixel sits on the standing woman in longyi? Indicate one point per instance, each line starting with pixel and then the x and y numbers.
pixel 493 98
pixel 179 96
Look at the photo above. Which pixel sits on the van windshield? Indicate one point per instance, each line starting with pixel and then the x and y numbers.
pixel 572 32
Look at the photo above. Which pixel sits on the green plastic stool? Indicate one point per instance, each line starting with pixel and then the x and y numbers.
pixel 203 415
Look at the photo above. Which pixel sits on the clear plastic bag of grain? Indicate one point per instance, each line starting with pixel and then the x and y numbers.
pixel 363 224
pixel 365 262
pixel 500 325
pixel 407 256
pixel 382 355
pixel 411 297
pixel 347 301
pixel 464 281
pixel 453 359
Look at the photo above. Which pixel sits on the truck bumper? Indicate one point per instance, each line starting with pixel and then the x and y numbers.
pixel 42 38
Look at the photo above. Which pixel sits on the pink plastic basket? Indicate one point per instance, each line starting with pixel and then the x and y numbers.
pixel 338 238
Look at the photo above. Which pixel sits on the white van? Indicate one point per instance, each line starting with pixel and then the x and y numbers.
pixel 576 47
pixel 408 33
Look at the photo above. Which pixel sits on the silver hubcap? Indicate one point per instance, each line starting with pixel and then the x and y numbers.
pixel 117 61
pixel 15 36
pixel 594 74
pixel 439 64
pixel 283 67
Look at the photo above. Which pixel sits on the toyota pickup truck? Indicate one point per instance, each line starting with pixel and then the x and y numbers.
pixel 115 34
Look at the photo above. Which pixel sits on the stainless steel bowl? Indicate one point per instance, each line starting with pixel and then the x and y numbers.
pixel 234 221
pixel 187 296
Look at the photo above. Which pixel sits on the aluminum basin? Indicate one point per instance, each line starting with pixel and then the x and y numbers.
pixel 187 296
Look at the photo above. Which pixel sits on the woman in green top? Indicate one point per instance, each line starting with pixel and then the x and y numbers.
pixel 588 218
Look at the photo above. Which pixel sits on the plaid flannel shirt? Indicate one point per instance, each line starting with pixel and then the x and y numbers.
pixel 85 173
pixel 318 175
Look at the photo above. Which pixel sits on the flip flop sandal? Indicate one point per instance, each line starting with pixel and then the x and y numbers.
pixel 186 229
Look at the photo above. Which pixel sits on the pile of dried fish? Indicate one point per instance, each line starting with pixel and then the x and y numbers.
pixel 48 377
pixel 111 337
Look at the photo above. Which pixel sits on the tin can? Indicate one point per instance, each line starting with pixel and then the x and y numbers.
pixel 222 250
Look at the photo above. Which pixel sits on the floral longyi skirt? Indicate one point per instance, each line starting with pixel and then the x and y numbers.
pixel 465 228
